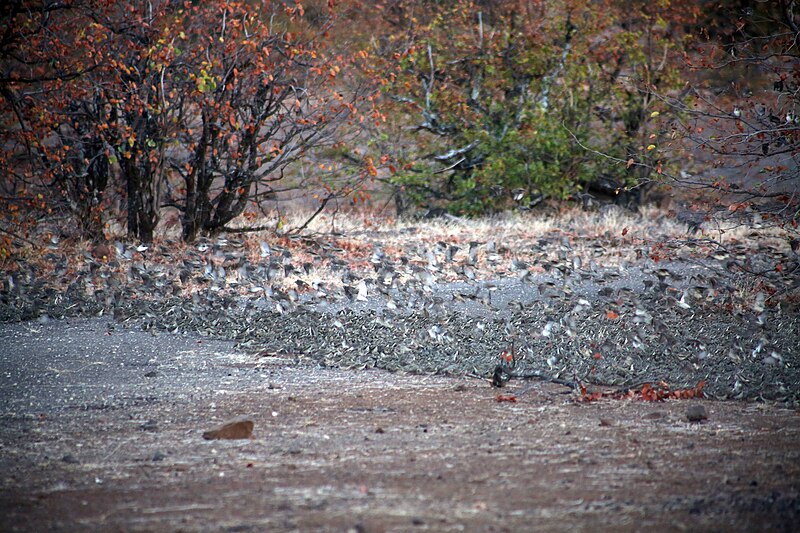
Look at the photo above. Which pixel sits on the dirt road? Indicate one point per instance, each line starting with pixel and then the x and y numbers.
pixel 102 431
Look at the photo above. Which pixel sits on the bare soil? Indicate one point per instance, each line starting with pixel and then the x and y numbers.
pixel 102 431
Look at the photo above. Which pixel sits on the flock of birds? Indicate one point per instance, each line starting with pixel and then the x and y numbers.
pixel 550 292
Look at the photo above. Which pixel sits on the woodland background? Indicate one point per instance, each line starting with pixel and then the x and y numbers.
pixel 222 116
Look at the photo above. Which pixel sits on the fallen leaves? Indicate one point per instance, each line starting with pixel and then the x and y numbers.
pixel 646 393
pixel 510 398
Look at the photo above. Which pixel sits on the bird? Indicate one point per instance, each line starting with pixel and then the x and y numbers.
pixel 473 253
pixel 362 291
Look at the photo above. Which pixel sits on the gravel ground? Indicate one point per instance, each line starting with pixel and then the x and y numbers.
pixel 102 428
pixel 599 311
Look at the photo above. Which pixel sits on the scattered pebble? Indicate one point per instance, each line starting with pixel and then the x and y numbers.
pixel 696 413
pixel 150 425
pixel 238 429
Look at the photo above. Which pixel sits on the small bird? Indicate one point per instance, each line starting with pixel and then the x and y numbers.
pixel 473 252
pixel 450 253
pixel 362 291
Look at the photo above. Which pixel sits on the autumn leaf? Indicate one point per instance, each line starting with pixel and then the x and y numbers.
pixel 510 398
pixel 612 315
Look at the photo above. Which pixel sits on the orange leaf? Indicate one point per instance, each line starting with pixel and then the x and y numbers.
pixel 612 315
pixel 506 398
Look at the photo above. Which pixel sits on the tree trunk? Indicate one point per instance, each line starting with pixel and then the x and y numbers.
pixel 143 199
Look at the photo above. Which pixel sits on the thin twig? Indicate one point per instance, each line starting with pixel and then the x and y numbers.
pixel 20 237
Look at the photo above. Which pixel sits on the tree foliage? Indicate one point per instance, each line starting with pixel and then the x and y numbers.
pixel 122 110
pixel 197 106
pixel 512 100
pixel 739 111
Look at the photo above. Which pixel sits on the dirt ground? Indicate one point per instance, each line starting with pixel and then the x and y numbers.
pixel 102 431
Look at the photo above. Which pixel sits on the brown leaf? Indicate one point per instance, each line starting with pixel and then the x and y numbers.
pixel 237 429
pixel 506 398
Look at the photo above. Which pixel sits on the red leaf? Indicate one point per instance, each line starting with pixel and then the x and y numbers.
pixel 506 398
pixel 624 231
pixel 612 315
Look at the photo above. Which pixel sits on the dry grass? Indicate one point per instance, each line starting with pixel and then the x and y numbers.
pixel 611 237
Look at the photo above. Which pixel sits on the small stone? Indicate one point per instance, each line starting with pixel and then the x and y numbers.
pixel 150 425
pixel 380 430
pixel 696 413
pixel 151 374
pixel 238 429
pixel 70 459
pixel 604 422
pixel 158 456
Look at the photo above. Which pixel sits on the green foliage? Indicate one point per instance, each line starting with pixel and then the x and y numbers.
pixel 536 157
pixel 525 102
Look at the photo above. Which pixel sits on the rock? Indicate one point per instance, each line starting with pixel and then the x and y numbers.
pixel 696 413
pixel 237 429
pixel 70 459
pixel 150 425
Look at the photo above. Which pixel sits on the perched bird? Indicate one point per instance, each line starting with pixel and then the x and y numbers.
pixel 450 253
pixel 362 291
pixel 473 253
